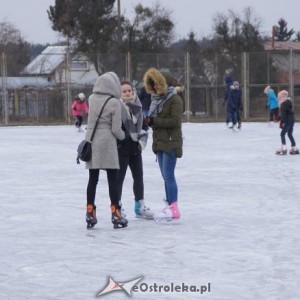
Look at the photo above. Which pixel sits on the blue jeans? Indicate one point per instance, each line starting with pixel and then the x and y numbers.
pixel 288 129
pixel 167 163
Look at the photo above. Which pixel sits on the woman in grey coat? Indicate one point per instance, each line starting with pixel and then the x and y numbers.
pixel 104 145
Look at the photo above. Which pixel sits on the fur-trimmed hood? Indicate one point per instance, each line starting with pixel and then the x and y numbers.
pixel 153 76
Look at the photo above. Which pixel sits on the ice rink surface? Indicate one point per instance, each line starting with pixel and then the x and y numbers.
pixel 239 233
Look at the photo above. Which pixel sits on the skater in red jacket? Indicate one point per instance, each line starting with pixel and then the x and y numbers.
pixel 78 107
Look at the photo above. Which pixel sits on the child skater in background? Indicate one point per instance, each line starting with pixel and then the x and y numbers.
pixel 272 105
pixel 286 123
pixel 78 107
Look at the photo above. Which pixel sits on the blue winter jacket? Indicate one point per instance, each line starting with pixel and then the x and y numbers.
pixel 235 100
pixel 272 100
pixel 228 81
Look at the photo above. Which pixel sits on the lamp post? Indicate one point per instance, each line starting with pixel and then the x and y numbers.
pixel 119 22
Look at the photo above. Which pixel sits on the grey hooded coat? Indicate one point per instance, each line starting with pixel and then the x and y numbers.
pixel 104 144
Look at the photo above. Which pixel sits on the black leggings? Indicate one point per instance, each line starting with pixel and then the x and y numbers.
pixel 112 176
pixel 135 163
pixel 274 114
pixel 78 121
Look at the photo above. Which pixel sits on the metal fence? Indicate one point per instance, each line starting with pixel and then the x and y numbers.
pixel 202 75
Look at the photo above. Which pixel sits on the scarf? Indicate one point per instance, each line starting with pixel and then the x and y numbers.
pixel 132 116
pixel 158 101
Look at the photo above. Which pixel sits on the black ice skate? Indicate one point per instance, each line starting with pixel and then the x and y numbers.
pixel 91 218
pixel 117 218
pixel 281 152
pixel 294 151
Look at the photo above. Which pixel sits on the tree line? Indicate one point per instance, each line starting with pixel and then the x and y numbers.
pixel 94 27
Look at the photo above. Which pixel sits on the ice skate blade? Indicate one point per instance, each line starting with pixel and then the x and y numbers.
pixel 90 226
pixel 168 221
pixel 120 226
pixel 91 222
pixel 144 217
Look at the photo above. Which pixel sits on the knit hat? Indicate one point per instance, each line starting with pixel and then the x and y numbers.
pixel 236 85
pixel 81 96
pixel 267 89
pixel 283 96
pixel 228 80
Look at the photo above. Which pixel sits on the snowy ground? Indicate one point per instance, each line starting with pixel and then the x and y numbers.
pixel 240 217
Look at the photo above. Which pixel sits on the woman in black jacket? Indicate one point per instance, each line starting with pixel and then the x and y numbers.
pixel 130 150
pixel 286 123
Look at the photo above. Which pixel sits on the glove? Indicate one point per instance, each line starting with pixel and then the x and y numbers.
pixel 241 109
pixel 267 106
pixel 75 108
pixel 148 121
pixel 281 125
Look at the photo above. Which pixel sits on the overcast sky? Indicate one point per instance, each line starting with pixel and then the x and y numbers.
pixel 31 18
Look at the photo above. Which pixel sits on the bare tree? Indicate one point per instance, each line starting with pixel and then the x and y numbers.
pixel 151 30
pixel 234 33
pixel 14 47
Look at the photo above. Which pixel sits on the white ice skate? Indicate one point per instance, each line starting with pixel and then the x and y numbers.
pixel 169 215
pixel 281 151
pixel 142 211
pixel 294 150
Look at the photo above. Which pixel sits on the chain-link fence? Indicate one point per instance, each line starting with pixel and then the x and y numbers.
pixel 202 75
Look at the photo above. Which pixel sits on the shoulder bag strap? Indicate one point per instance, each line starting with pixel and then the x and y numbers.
pixel 97 122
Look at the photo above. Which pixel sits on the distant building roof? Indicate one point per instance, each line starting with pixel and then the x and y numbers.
pixel 25 82
pixel 289 45
pixel 47 61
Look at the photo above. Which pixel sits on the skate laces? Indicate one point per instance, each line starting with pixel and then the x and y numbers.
pixel 166 210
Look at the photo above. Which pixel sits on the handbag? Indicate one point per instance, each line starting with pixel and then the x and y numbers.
pixel 84 149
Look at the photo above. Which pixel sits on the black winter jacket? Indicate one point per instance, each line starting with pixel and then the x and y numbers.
pixel 287 112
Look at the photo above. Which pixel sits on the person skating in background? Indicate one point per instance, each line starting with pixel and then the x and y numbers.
pixel 79 106
pixel 235 105
pixel 104 146
pixel 286 124
pixel 165 119
pixel 228 83
pixel 130 150
pixel 145 99
pixel 272 105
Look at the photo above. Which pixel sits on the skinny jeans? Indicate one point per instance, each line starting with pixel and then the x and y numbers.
pixel 167 164
pixel 288 129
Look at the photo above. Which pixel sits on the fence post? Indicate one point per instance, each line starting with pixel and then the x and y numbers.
pixel 188 86
pixel 4 87
pixel 245 80
pixel 291 79
pixel 68 80
pixel 128 66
